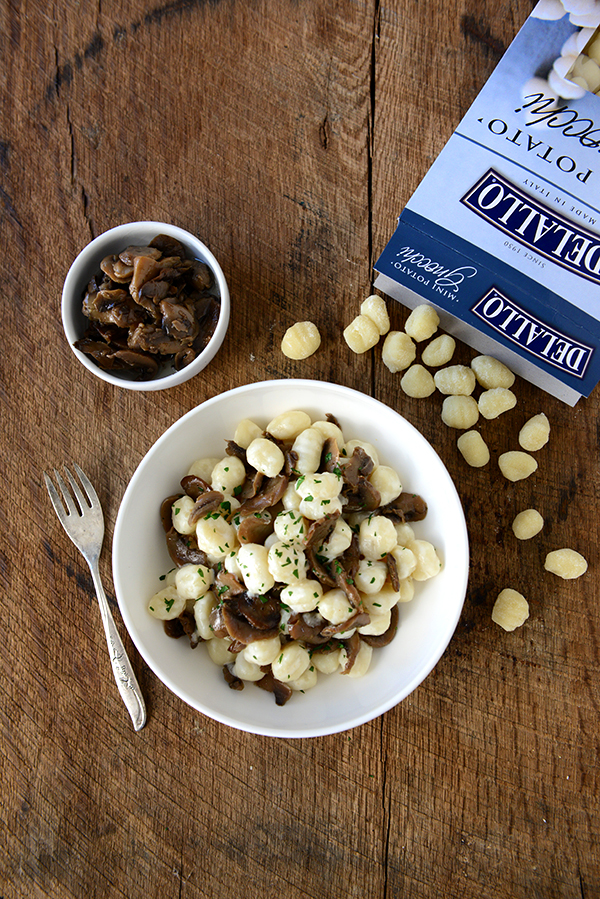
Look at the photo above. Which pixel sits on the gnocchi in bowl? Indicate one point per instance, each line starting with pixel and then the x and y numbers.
pixel 215 453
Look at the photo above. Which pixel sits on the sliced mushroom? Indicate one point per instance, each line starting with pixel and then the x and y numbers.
pixel 168 246
pixel 117 270
pixel 270 493
pixel 184 625
pixel 152 339
pixel 255 528
pixel 138 361
pixel 251 486
pixel 178 322
pixel 111 307
pixel 205 504
pixel 202 277
pixel 130 254
pixel 183 549
pixel 116 359
pixel 392 567
pixel 360 618
pixel 406 507
pixel 344 582
pixel 145 268
pixel 307 630
pixel 243 621
pixel 316 535
pixel 157 289
pixel 282 692
pixel 227 583
pixel 193 485
pixel 330 456
pixel 166 511
pixel 183 357
pixel 383 639
pixel 234 449
pixel 358 491
pixel 234 682
pixel 352 647
pixel 216 622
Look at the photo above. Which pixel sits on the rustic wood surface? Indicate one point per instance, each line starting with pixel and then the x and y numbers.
pixel 288 136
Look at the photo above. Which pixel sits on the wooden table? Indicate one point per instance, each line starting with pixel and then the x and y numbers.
pixel 288 136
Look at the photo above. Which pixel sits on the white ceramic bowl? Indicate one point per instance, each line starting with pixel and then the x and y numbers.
pixel 337 702
pixel 87 264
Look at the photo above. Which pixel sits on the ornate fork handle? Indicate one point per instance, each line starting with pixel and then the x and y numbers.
pixel 122 670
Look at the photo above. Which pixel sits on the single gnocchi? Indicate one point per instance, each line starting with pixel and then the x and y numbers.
pixel 399 351
pixel 301 340
pixel 511 609
pixel 374 307
pixel 535 433
pixel 439 351
pixel 417 382
pixel 527 524
pixel 491 373
pixel 473 449
pixel 455 380
pixel 566 563
pixel 460 412
pixel 516 466
pixel 422 323
pixel 362 334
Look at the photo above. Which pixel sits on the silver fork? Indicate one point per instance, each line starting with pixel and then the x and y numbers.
pixel 84 523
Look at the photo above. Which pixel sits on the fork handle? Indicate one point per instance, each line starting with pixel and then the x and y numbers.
pixel 122 670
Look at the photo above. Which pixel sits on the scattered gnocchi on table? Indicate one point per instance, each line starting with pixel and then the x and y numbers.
pixel 291 554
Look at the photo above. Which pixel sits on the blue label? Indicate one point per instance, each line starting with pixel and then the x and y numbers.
pixel 535 225
pixel 539 339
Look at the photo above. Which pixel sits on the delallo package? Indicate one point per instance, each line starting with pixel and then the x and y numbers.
pixel 502 236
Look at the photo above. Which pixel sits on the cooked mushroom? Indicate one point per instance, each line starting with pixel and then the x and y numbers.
pixel 392 567
pixel 360 494
pixel 360 618
pixel 183 549
pixel 388 636
pixel 406 507
pixel 255 528
pixel 249 618
pixel 168 246
pixel 205 504
pixel 307 628
pixel 193 485
pixel 130 254
pixel 352 646
pixel 316 535
pixel 234 682
pixel 157 305
pixel 117 270
pixel 282 692
pixel 227 583
pixel 112 307
pixel 166 511
pixel 216 622
pixel 184 625
pixel 270 492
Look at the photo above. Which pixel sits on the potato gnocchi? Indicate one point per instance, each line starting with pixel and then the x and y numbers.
pixel 291 554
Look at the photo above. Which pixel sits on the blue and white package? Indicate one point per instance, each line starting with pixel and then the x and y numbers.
pixel 502 236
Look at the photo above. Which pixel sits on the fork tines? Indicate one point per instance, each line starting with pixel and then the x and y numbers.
pixel 85 501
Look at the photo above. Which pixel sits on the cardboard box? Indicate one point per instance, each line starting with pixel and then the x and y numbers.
pixel 502 236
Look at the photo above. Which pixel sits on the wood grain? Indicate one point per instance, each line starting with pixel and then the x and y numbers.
pixel 287 136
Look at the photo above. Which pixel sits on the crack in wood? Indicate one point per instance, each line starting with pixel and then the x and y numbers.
pixel 473 29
